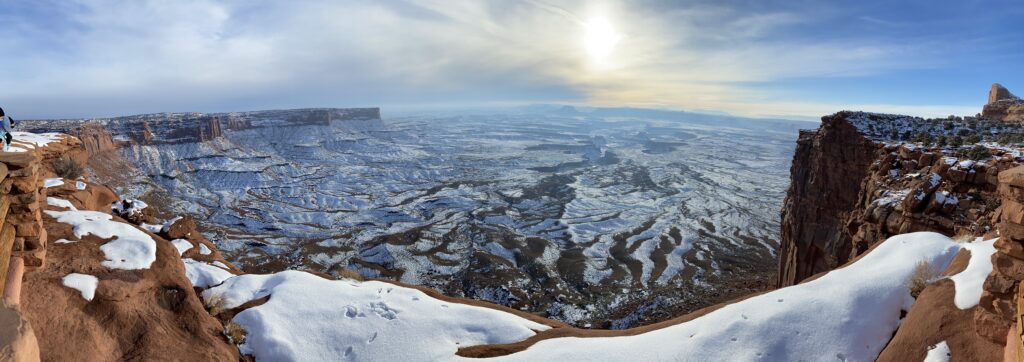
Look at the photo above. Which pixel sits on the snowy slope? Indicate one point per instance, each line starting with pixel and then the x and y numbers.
pixel 848 314
pixel 309 318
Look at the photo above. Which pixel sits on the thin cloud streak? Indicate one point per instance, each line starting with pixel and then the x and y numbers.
pixel 99 57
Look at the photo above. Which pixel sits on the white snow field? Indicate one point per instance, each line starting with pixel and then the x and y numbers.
pixel 130 248
pixel 848 314
pixel 309 318
pixel 84 283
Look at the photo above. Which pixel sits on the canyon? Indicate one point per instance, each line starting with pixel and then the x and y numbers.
pixel 611 218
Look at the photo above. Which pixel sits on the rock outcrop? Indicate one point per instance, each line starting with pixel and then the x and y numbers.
pixel 150 313
pixel 826 175
pixel 998 308
pixel 1003 105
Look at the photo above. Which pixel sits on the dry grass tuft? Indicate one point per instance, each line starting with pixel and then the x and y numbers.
pixel 924 274
pixel 349 274
pixel 963 236
pixel 215 305
pixel 68 168
pixel 234 332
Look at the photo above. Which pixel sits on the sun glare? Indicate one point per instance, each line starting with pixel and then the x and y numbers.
pixel 600 39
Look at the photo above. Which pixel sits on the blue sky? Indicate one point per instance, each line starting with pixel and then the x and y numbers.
pixel 797 59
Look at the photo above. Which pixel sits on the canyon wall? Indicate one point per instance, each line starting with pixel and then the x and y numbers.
pixel 826 174
pixel 859 179
pixel 176 128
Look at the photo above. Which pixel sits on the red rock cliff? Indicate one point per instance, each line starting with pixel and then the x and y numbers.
pixel 825 179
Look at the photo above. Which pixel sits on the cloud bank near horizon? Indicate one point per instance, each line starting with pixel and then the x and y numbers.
pixel 800 59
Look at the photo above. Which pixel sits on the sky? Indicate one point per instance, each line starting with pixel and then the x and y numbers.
pixel 758 58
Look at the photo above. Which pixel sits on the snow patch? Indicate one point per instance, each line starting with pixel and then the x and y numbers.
pixel 53 201
pixel 938 353
pixel 203 275
pixel 968 283
pixel 53 182
pixel 84 283
pixel 24 141
pixel 181 245
pixel 130 249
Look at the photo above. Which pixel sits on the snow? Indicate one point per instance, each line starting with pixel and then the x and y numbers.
pixel 80 185
pixel 938 353
pixel 64 241
pixel 136 206
pixel 181 245
pixel 850 314
pixel 966 164
pixel 84 283
pixel 130 249
pixel 968 283
pixel 204 250
pixel 53 201
pixel 203 275
pixel 53 182
pixel 151 228
pixel 309 318
pixel 167 225
pixel 892 197
pixel 944 197
pixel 24 141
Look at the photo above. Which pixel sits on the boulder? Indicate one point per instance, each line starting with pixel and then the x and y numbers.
pixel 180 229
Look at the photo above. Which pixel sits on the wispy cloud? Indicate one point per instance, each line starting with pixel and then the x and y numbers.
pixel 109 57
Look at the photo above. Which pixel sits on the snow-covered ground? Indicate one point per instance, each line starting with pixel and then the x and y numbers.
pixel 848 314
pixel 24 141
pixel 130 248
pixel 309 318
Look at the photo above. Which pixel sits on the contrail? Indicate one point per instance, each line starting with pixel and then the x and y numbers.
pixel 557 10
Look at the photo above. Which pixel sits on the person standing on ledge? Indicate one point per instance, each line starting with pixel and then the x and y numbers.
pixel 7 126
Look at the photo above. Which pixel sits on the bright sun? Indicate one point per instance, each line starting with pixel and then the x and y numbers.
pixel 600 39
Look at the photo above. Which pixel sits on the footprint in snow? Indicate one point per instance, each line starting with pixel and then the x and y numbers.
pixel 780 300
pixel 372 338
pixel 351 311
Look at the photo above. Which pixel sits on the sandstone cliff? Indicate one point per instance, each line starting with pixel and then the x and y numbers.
pixel 1003 105
pixel 863 177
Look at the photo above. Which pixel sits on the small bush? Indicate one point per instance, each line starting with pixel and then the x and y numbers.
pixel 349 274
pixel 68 168
pixel 215 305
pixel 963 236
pixel 923 275
pixel 234 332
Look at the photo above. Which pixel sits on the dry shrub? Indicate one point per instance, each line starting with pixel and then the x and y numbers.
pixel 349 274
pixel 924 274
pixel 67 168
pixel 215 305
pixel 963 236
pixel 235 332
